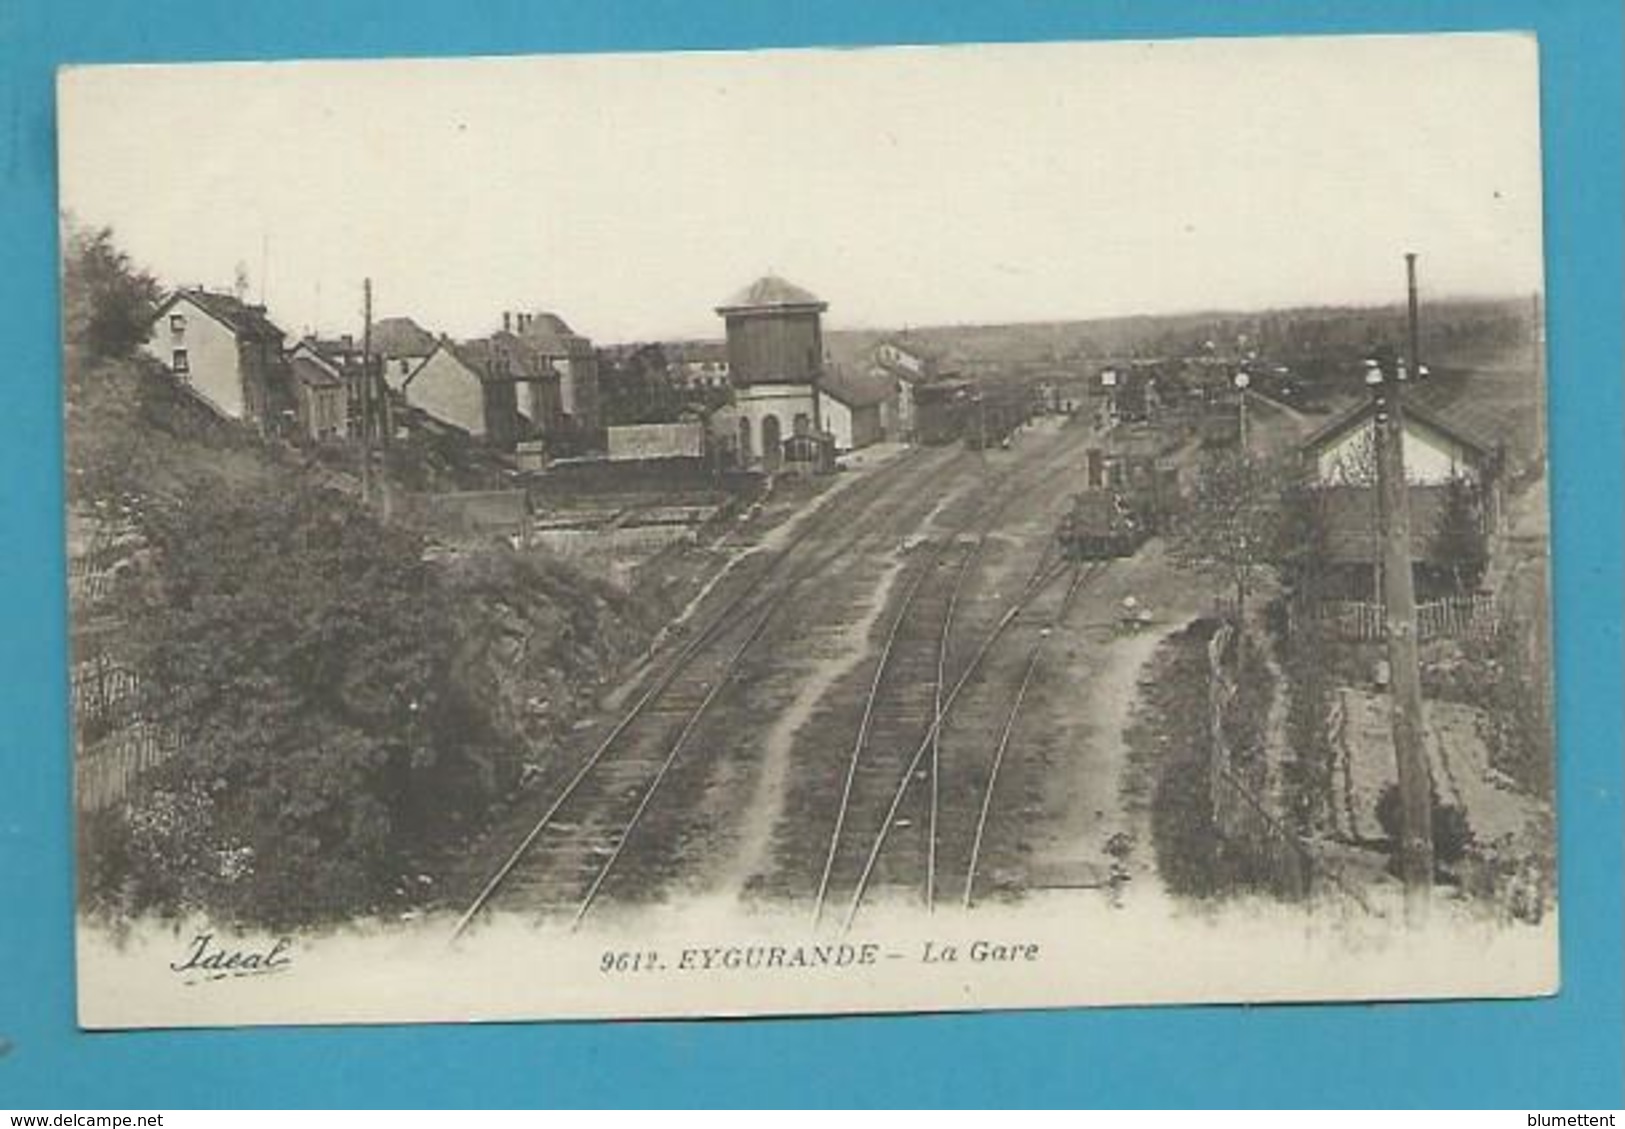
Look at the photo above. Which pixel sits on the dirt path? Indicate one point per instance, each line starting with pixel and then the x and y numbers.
pixel 845 647
pixel 1082 842
pixel 1085 830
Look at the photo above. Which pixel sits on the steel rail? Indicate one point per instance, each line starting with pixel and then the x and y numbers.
pixel 677 747
pixel 1080 578
pixel 802 574
pixel 862 737
pixel 731 613
pixel 984 516
pixel 1034 587
pixel 943 641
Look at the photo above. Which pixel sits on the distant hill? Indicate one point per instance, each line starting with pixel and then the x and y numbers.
pixel 1454 331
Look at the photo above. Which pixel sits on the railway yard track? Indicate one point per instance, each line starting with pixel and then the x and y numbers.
pixel 564 860
pixel 906 817
pixel 916 819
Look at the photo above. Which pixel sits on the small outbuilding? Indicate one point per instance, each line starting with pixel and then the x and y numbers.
pixel 852 408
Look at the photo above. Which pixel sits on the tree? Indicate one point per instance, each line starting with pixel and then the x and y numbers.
pixel 107 302
pixel 638 388
pixel 1302 557
pixel 1228 526
pixel 1460 538
pixel 114 396
pixel 1302 550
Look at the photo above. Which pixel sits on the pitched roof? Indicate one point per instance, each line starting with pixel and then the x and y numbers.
pixel 902 372
pixel 553 336
pixel 401 337
pixel 307 351
pixel 313 374
pixel 339 351
pixel 240 317
pixel 1452 396
pixel 1419 405
pixel 917 346
pixel 770 292
pixel 503 356
pixel 855 390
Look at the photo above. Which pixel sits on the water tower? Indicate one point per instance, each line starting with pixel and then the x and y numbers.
pixel 775 357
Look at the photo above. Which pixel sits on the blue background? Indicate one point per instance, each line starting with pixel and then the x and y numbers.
pixel 1564 1052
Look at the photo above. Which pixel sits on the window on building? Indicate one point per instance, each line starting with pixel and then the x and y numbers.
pixel 177 323
pixel 178 362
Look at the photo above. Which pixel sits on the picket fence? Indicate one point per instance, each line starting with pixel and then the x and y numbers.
pixel 1457 617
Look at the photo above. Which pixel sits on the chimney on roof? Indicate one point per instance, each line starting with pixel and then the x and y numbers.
pixel 507 321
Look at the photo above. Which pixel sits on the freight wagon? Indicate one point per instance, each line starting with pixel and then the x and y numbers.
pixel 951 411
pixel 1127 498
pixel 1102 524
pixel 994 417
pixel 939 411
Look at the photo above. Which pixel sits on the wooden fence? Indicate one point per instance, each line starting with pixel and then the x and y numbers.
pixel 1458 617
pixel 105 772
pixel 115 740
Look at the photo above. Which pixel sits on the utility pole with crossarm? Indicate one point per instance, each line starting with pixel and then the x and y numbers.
pixel 1386 376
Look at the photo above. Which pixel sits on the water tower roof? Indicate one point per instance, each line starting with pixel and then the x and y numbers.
pixel 771 292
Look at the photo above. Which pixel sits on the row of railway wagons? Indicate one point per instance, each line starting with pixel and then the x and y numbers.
pixel 961 411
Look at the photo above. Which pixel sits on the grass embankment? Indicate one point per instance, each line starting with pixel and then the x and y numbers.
pixel 336 707
pixel 1170 775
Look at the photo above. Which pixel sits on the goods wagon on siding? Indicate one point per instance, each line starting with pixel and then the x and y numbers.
pixel 952 411
pixel 1126 499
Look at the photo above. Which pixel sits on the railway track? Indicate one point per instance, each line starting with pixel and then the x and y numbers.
pixel 1081 577
pixel 904 696
pixel 877 837
pixel 887 791
pixel 566 857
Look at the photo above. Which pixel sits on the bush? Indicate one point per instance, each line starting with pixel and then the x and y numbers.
pixel 1452 833
pixel 300 654
pixel 343 709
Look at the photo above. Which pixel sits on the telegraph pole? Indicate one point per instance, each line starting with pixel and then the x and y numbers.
pixel 383 420
pixel 1243 379
pixel 1399 611
pixel 366 390
pixel 1537 341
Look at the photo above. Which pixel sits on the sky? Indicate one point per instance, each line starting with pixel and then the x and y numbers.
pixel 631 194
